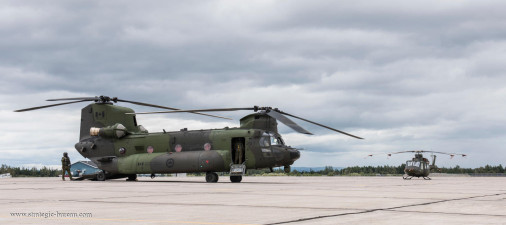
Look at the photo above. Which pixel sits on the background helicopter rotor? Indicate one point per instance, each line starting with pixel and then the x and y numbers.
pixel 420 151
pixel 272 112
pixel 106 99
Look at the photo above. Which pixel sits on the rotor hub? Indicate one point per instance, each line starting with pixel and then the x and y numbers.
pixel 105 99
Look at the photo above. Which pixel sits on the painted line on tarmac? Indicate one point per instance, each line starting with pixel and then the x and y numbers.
pixel 446 213
pixel 380 209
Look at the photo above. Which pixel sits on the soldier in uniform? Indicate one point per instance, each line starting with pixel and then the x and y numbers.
pixel 239 151
pixel 65 166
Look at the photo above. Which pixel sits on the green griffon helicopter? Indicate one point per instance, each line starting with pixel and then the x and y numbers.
pixel 420 166
pixel 112 139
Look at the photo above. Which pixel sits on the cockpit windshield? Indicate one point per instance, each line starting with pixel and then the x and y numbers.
pixel 276 140
pixel 269 139
pixel 413 163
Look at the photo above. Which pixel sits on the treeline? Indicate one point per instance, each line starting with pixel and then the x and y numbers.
pixel 29 172
pixel 327 171
pixel 485 169
pixel 375 170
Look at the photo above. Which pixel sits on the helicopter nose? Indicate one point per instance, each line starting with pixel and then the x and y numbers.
pixel 294 154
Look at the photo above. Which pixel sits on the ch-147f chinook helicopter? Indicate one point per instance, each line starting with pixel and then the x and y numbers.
pixel 420 166
pixel 112 139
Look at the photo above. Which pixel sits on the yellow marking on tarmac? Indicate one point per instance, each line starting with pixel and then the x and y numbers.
pixel 136 220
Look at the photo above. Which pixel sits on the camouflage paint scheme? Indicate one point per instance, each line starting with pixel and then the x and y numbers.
pixel 419 167
pixel 121 147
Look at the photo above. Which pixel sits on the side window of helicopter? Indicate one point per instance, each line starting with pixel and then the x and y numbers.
pixel 265 141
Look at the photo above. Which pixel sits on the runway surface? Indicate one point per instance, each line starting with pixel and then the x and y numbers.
pixel 257 200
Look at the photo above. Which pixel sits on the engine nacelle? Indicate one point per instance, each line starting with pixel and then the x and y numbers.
pixel 114 131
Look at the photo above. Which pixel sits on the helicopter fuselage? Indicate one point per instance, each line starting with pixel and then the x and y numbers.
pixel 115 142
pixel 188 151
pixel 419 166
pixel 417 171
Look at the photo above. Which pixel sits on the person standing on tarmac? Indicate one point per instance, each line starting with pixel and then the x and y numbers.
pixel 65 166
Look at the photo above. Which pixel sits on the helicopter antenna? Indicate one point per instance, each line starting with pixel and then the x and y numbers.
pixel 107 100
pixel 272 112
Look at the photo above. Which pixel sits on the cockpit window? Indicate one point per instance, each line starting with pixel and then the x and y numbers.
pixel 269 139
pixel 276 140
pixel 413 163
pixel 265 141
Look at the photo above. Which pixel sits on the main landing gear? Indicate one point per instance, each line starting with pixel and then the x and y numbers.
pixel 406 177
pixel 211 177
pixel 132 177
pixel 101 176
pixel 235 179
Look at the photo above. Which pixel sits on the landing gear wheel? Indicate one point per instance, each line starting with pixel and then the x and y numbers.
pixel 235 179
pixel 406 177
pixel 211 177
pixel 287 169
pixel 101 176
pixel 427 178
pixel 132 177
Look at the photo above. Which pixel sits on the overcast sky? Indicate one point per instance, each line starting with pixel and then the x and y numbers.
pixel 404 75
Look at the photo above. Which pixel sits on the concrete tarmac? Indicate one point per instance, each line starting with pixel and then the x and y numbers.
pixel 257 200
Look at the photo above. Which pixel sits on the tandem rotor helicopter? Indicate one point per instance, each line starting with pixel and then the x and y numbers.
pixel 111 137
pixel 420 166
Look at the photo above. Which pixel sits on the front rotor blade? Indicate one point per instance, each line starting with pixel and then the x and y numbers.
pixel 47 106
pixel 321 125
pixel 165 107
pixel 285 120
pixel 195 110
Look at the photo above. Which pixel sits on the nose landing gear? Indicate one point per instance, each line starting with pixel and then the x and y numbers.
pixel 287 169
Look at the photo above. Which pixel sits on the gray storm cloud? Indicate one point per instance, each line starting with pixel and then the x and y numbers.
pixel 404 75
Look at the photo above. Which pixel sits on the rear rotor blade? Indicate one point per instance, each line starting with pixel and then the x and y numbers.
pixel 321 125
pixel 77 98
pixel 165 107
pixel 47 106
pixel 107 99
pixel 285 120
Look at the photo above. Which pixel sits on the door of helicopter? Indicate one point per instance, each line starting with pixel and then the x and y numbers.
pixel 425 168
pixel 238 151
